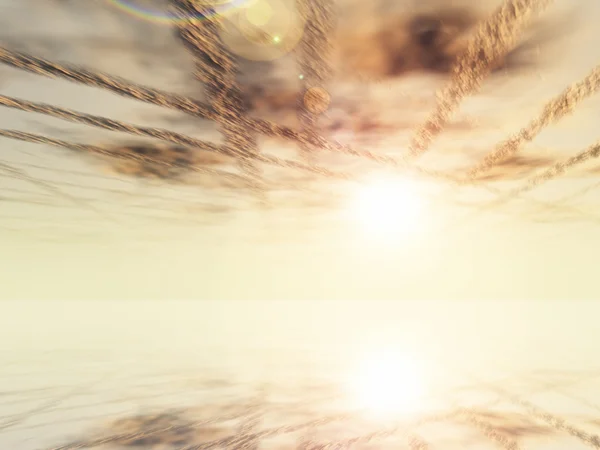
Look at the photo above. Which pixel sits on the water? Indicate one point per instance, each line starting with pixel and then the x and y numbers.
pixel 70 369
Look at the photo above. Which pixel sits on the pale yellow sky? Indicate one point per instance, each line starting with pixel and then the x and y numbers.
pixel 519 263
pixel 175 257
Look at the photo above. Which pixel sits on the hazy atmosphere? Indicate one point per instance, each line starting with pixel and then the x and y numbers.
pixel 73 228
pixel 137 296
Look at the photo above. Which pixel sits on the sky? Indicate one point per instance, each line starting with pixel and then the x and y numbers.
pixel 136 239
pixel 141 271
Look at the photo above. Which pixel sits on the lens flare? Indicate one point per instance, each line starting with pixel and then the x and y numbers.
pixel 263 30
pixel 160 16
pixel 258 30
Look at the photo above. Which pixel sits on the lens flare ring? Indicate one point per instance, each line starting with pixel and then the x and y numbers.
pixel 263 30
pixel 160 16
pixel 258 30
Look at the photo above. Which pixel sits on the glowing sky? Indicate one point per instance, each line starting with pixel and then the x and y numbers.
pixel 143 256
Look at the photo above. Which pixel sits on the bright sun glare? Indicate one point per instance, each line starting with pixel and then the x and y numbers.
pixel 387 384
pixel 386 206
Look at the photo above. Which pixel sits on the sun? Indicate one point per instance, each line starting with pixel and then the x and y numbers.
pixel 385 206
pixel 387 384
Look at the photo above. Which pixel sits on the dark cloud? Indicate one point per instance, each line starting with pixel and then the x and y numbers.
pixel 159 160
pixel 516 167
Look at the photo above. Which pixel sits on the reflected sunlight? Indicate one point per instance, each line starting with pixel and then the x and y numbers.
pixel 387 384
